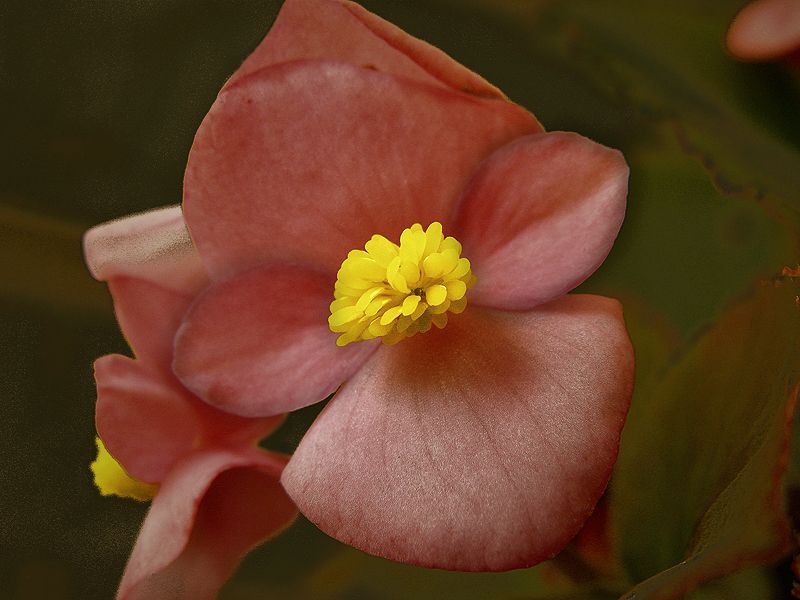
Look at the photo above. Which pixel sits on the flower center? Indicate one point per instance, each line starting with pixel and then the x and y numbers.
pixel 394 292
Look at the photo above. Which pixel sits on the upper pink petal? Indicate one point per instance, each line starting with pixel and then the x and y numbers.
pixel 344 31
pixel 153 272
pixel 765 29
pixel 154 246
pixel 483 446
pixel 302 162
pixel 259 343
pixel 539 217
pixel 149 421
pixel 212 509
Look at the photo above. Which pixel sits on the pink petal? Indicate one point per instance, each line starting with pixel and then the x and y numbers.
pixel 765 29
pixel 302 162
pixel 213 509
pixel 259 344
pixel 154 246
pixel 483 446
pixel 149 315
pixel 148 421
pixel 539 217
pixel 346 32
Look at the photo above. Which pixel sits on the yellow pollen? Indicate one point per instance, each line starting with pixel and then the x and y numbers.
pixel 110 478
pixel 393 292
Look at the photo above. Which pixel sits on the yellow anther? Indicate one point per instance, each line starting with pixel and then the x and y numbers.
pixel 436 294
pixel 395 291
pixel 410 304
pixel 111 479
pixel 455 289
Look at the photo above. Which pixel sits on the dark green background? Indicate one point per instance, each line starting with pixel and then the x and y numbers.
pixel 99 101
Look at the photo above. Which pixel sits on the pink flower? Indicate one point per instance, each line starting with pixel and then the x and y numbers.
pixel 481 446
pixel 765 30
pixel 218 494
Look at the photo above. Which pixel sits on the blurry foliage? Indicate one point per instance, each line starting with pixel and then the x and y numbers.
pixel 100 103
pixel 697 491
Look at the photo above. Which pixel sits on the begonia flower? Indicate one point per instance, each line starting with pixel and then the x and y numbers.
pixel 348 161
pixel 765 30
pixel 215 493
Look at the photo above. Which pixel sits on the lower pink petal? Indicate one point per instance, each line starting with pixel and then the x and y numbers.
pixel 765 29
pixel 154 246
pixel 483 446
pixel 211 510
pixel 145 421
pixel 148 420
pixel 344 31
pixel 539 217
pixel 259 343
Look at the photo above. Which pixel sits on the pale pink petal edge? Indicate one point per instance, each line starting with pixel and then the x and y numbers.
pixel 153 245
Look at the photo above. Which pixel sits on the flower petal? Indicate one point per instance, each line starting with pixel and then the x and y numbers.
pixel 153 272
pixel 259 343
pixel 483 446
pixel 149 315
pixel 149 421
pixel 282 172
pixel 539 217
pixel 765 29
pixel 344 31
pixel 154 246
pixel 212 509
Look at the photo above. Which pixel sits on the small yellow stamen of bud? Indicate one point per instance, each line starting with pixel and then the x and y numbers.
pixel 111 479
pixel 393 292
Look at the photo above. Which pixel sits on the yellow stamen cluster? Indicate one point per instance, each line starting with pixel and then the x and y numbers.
pixel 110 478
pixel 393 292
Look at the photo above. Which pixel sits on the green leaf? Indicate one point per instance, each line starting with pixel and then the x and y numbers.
pixel 745 585
pixel 698 487
pixel 684 249
pixel 738 120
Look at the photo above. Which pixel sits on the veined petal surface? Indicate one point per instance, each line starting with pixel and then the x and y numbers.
pixel 483 446
pixel 540 216
pixel 301 162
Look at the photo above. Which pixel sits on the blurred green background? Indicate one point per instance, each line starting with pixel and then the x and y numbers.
pixel 99 101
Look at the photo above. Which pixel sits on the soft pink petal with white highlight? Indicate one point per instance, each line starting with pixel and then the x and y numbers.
pixel 149 421
pixel 213 509
pixel 302 162
pixel 154 246
pixel 539 217
pixel 344 31
pixel 765 29
pixel 259 343
pixel 483 446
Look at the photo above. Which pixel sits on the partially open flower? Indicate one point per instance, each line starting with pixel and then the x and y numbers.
pixel 352 178
pixel 215 494
pixel 766 30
